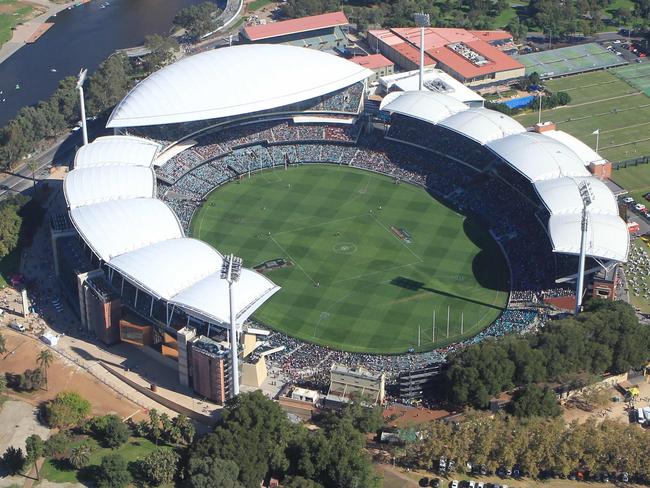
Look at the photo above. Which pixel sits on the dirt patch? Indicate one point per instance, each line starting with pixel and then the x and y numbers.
pixel 62 375
pixel 19 421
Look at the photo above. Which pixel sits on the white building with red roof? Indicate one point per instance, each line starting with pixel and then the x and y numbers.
pixel 473 57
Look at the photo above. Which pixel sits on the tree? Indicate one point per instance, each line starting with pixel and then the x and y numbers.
pixel 57 444
pixel 162 52
pixel 10 223
pixel 300 482
pixel 534 401
pixel 141 429
pixel 159 467
pixel 115 432
pixel 13 460
pixel 113 472
pixel 44 361
pixel 34 447
pixel 30 380
pixel 109 84
pixel 185 428
pixel 3 383
pixel 3 343
pixel 68 409
pixel 206 472
pixel 80 456
pixel 197 20
pixel 154 425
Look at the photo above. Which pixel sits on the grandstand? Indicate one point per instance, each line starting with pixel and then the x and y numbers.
pixel 569 60
pixel 487 169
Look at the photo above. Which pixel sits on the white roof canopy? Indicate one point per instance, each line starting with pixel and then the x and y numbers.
pixel 483 125
pixel 584 152
pixel 117 150
pixel 209 297
pixel 608 237
pixel 234 81
pixel 538 157
pixel 118 226
pixel 423 105
pixel 562 196
pixel 85 186
pixel 166 268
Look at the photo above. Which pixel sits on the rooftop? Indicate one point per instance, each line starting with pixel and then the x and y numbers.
pixel 293 26
pixel 372 61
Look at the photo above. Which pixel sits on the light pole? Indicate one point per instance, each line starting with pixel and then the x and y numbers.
pixel 82 106
pixel 421 20
pixel 231 271
pixel 587 197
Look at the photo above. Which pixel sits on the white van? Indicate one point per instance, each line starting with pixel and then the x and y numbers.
pixel 17 326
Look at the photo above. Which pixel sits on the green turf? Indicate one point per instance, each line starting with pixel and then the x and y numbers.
pixel 635 180
pixel 12 12
pixel 636 74
pixel 567 60
pixel 355 285
pixel 602 101
pixel 59 471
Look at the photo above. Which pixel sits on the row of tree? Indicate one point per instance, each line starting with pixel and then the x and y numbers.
pixel 605 338
pixel 536 446
pixel 198 20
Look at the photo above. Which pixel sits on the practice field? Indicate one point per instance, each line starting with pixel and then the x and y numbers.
pixel 371 261
pixel 637 75
pixel 635 179
pixel 569 60
pixel 601 101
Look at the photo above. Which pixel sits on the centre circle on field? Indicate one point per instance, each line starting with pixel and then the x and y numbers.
pixel 344 248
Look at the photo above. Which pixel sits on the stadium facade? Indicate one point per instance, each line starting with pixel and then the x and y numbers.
pixel 126 231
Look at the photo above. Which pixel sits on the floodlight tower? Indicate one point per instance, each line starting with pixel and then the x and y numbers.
pixel 82 105
pixel 231 271
pixel 421 20
pixel 587 197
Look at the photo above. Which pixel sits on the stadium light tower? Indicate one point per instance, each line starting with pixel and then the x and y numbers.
pixel 82 105
pixel 231 271
pixel 421 20
pixel 587 197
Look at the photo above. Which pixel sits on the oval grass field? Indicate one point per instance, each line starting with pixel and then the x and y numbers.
pixel 372 264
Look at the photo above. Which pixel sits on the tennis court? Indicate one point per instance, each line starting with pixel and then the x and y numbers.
pixel 637 75
pixel 569 60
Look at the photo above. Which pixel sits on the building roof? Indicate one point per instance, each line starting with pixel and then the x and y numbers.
pixel 372 61
pixel 492 35
pixel 117 150
pixel 483 125
pixel 584 152
pixel 114 227
pixel 95 184
pixel 232 81
pixel 435 80
pixel 538 157
pixel 294 26
pixel 168 267
pixel 608 237
pixel 208 298
pixel 561 196
pixel 423 105
pixel 439 47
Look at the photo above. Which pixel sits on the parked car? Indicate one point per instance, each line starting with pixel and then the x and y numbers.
pixel 454 484
pixel 17 326
pixel 628 200
pixel 639 207
pixel 625 478
pixel 480 484
pixel 435 483
pixel 471 484
pixel 424 481
pixel 647 196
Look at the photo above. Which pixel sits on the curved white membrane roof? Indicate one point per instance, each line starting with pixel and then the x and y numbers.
pixel 96 184
pixel 114 209
pixel 233 81
pixel 423 105
pixel 555 164
pixel 117 151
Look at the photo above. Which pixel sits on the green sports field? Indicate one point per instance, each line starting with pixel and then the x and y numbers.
pixel 601 100
pixel 371 261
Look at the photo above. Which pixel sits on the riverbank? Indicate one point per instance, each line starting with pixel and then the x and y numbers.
pixel 34 28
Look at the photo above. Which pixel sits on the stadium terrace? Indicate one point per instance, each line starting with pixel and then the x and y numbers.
pixel 216 116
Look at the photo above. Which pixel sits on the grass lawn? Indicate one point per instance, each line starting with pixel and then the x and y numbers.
pixel 602 101
pixel 60 472
pixel 634 179
pixel 353 283
pixel 12 12
pixel 8 266
pixel 258 4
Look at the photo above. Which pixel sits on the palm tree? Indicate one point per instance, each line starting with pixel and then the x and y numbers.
pixel 3 343
pixel 80 456
pixel 33 167
pixel 44 360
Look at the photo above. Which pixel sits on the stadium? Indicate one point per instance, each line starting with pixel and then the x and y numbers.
pixel 417 227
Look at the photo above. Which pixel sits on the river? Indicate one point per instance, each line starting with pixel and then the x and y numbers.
pixel 81 37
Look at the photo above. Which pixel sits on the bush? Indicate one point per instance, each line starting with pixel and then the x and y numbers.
pixel 57 444
pixel 116 432
pixel 159 467
pixel 80 455
pixel 68 409
pixel 13 460
pixel 113 472
pixel 30 380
